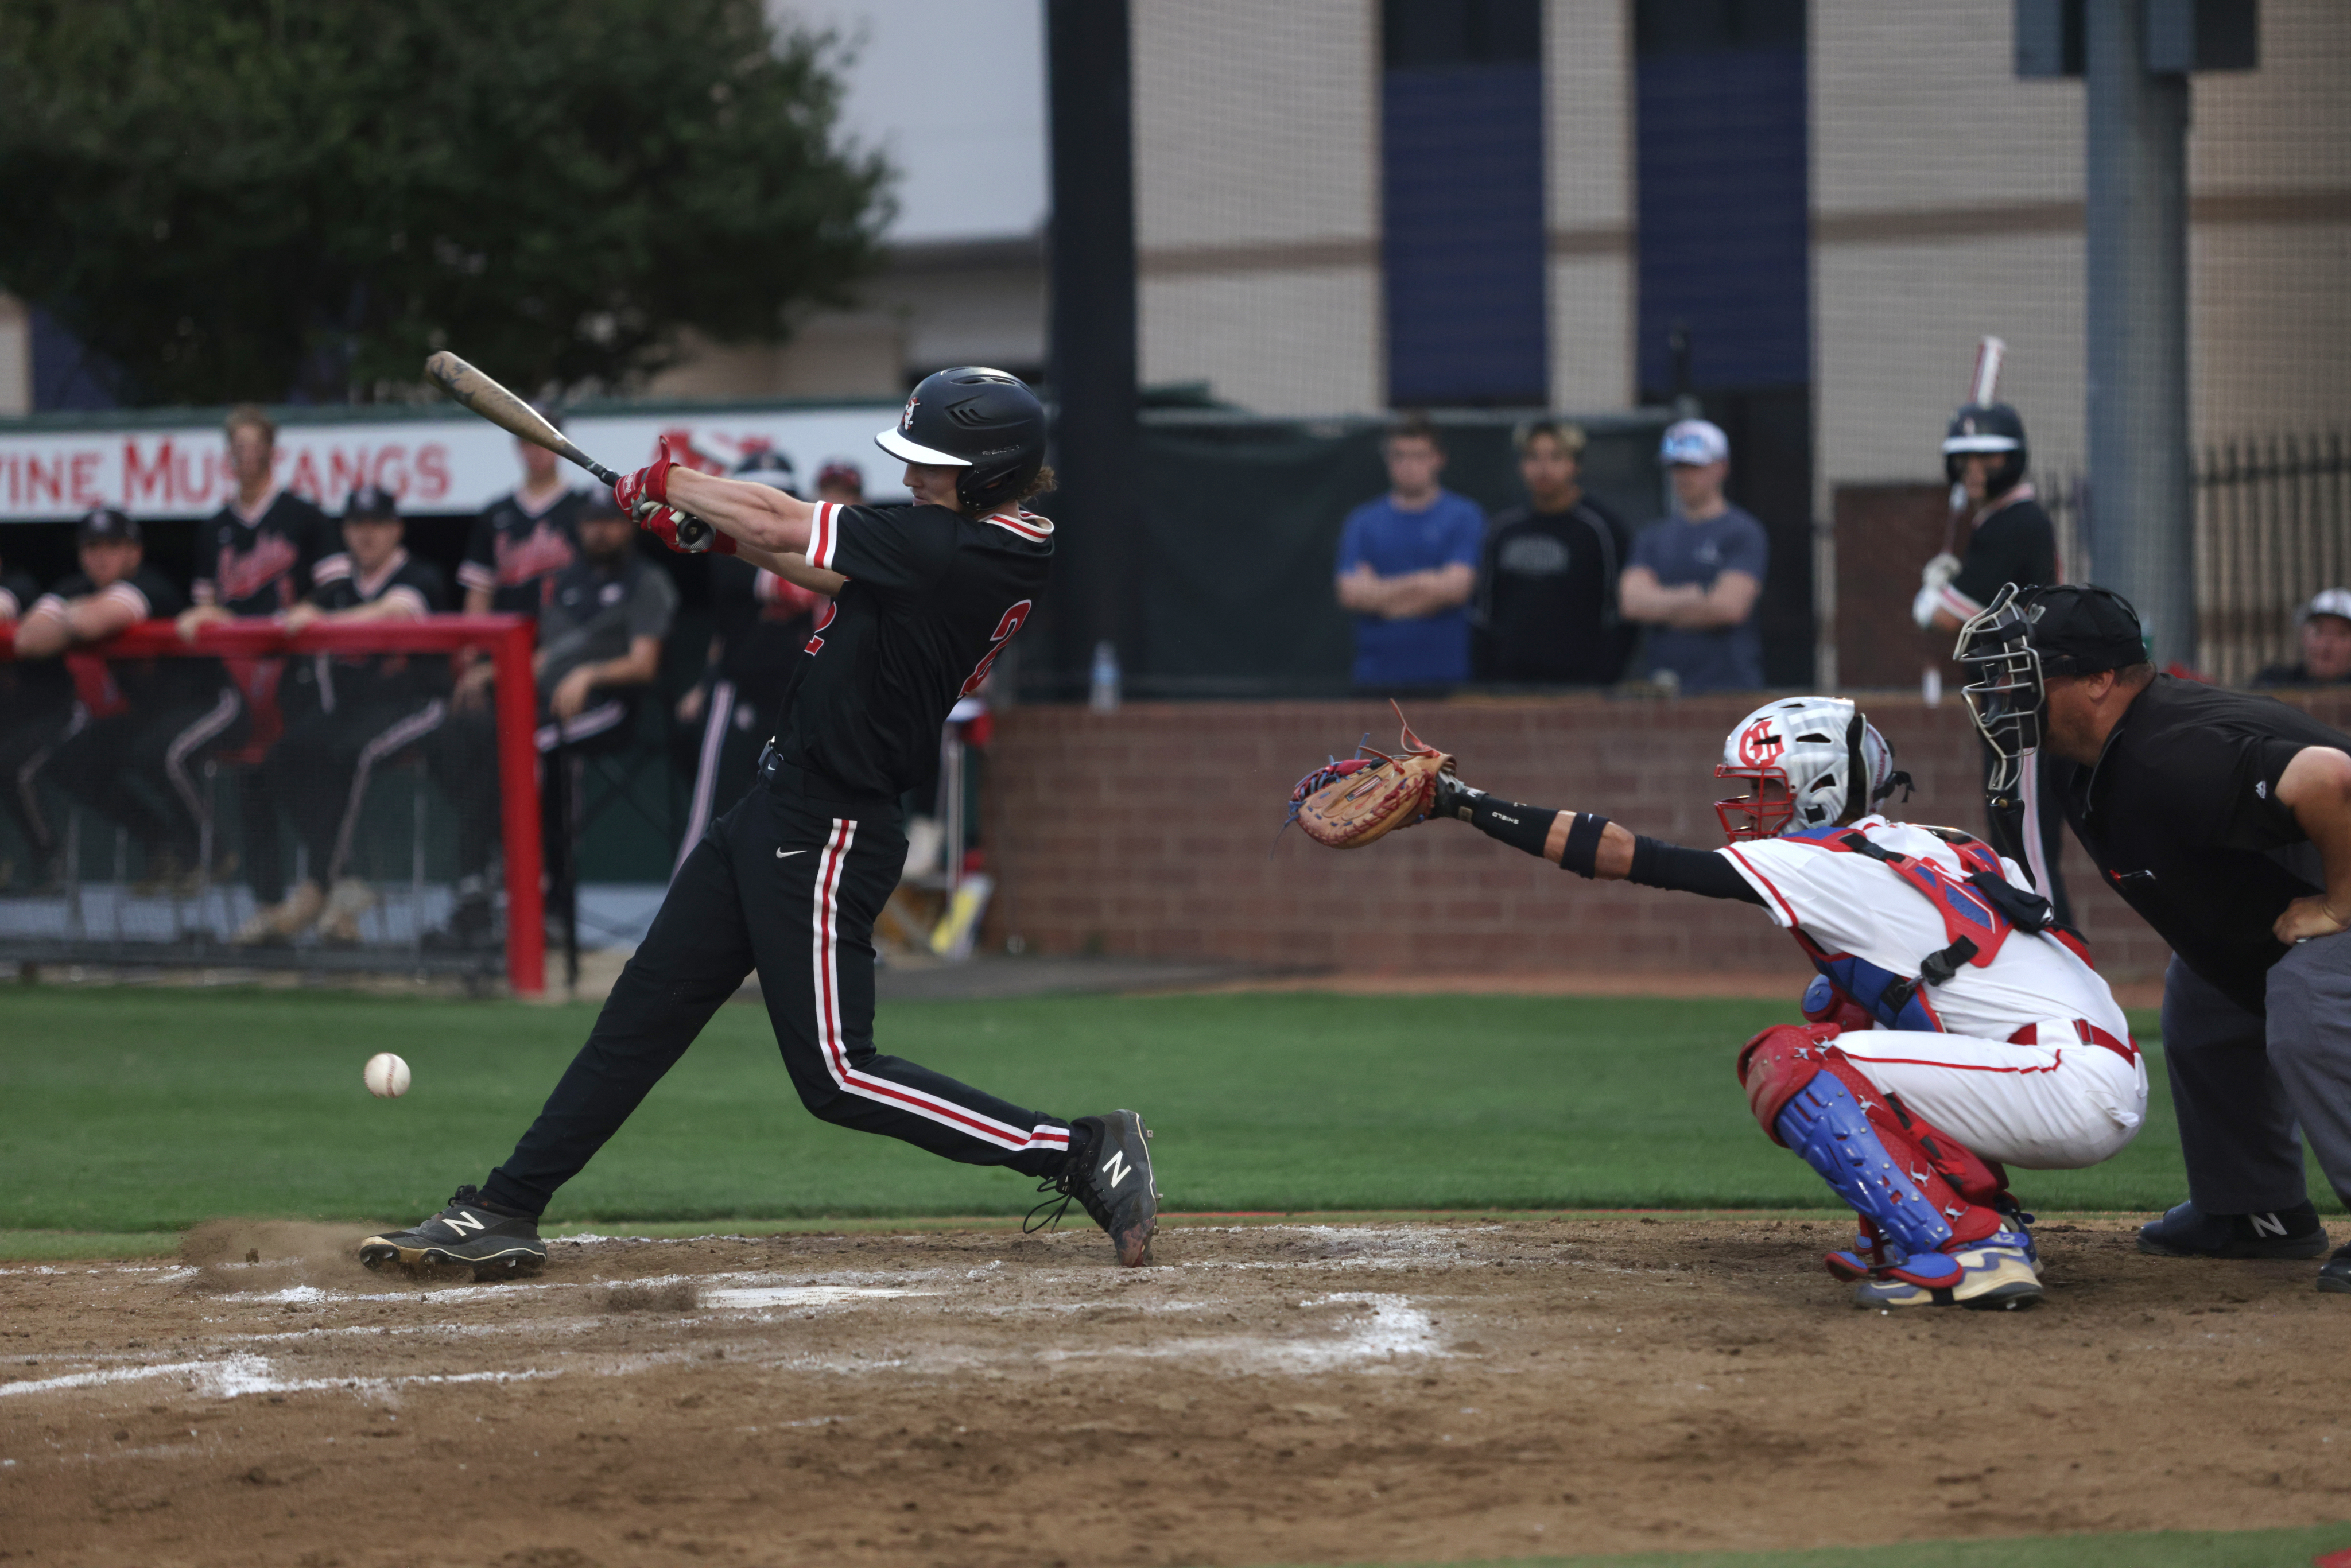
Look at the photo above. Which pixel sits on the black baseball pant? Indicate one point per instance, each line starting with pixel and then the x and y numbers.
pixel 788 883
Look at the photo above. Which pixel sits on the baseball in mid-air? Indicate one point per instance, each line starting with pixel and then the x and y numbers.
pixel 387 1076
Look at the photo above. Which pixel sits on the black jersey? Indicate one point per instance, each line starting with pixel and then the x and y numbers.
pixel 2015 542
pixel 29 688
pixel 2181 815
pixel 155 597
pixel 1545 606
pixel 762 621
pixel 349 677
pixel 513 549
pixel 261 565
pixel 933 597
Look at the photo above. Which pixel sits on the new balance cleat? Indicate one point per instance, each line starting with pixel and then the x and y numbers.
pixel 2334 1274
pixel 1991 1275
pixel 467 1233
pixel 2187 1232
pixel 1112 1178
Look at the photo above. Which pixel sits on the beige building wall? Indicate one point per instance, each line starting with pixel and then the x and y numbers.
pixel 1947 203
pixel 1256 172
pixel 1588 165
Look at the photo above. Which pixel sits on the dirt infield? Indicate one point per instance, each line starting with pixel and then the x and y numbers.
pixel 1269 1394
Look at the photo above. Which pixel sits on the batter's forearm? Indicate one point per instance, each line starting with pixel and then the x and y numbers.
pixel 755 515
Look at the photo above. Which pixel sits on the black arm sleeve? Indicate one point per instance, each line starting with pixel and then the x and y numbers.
pixel 1685 870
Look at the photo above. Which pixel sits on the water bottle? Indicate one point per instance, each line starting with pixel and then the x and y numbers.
pixel 1102 691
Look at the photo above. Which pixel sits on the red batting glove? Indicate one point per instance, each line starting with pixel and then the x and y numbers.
pixel 682 531
pixel 650 483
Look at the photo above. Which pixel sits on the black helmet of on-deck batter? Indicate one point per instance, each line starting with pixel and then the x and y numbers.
pixel 982 421
pixel 1992 429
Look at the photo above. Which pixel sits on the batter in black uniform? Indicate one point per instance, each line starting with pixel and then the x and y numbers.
pixel 361 712
pixel 2010 538
pixel 36 705
pixel 2224 820
pixel 789 882
pixel 140 720
pixel 261 554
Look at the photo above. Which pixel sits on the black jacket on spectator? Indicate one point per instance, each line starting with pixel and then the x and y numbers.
pixel 1544 612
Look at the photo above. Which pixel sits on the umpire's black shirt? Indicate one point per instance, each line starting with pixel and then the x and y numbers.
pixel 932 597
pixel 2181 815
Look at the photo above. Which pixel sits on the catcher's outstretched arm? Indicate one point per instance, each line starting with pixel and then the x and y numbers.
pixel 1592 846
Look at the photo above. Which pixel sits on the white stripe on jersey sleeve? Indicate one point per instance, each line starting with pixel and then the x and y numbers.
pixel 128 593
pixel 332 568
pixel 825 537
pixel 399 593
pixel 474 574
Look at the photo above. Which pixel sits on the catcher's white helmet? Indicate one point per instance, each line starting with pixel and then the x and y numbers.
pixel 1808 761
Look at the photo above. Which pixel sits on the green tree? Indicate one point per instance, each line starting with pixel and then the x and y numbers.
pixel 234 199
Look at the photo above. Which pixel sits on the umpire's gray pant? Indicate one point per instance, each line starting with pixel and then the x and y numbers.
pixel 2240 1083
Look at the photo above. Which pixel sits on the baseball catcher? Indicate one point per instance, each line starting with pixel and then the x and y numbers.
pixel 1954 1028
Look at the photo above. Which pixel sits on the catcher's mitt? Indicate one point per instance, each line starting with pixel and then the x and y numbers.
pixel 1348 804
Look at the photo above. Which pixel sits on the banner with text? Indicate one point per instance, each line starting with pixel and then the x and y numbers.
pixel 456 464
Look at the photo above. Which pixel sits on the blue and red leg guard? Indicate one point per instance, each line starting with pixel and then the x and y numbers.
pixel 1921 1191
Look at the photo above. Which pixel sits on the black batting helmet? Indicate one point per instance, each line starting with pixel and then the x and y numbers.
pixel 1992 429
pixel 983 421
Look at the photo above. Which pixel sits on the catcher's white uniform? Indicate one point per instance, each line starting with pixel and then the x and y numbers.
pixel 2033 1065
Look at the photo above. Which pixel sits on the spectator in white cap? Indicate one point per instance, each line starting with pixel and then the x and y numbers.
pixel 2325 645
pixel 1696 576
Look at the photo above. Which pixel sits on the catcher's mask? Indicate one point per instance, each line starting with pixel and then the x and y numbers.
pixel 2024 637
pixel 2006 692
pixel 1806 762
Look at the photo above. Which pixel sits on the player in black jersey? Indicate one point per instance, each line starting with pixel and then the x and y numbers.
pixel 361 712
pixel 2010 538
pixel 36 705
pixel 522 538
pixel 789 882
pixel 261 554
pixel 146 722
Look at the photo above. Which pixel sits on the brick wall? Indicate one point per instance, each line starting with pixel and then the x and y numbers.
pixel 1147 832
pixel 1885 533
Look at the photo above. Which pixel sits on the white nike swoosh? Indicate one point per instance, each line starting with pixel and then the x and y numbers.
pixel 787 854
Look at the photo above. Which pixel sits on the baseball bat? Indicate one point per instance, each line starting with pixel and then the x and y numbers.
pixel 1983 386
pixel 483 395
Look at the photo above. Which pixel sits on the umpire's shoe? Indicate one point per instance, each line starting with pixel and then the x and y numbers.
pixel 2187 1232
pixel 2334 1274
pixel 1109 1173
pixel 495 1243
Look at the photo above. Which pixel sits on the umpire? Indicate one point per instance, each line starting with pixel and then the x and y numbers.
pixel 2224 820
pixel 789 880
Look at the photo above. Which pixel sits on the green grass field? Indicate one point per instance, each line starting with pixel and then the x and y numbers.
pixel 147 1110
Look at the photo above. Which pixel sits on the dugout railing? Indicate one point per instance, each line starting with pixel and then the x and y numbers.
pixel 82 903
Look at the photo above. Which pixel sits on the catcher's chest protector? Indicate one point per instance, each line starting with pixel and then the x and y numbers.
pixel 1976 928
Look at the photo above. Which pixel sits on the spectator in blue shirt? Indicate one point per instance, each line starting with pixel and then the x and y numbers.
pixel 1695 577
pixel 1407 563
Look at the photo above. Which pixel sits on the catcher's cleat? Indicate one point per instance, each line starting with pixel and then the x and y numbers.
pixel 468 1232
pixel 1110 1175
pixel 1987 1276
pixel 2187 1232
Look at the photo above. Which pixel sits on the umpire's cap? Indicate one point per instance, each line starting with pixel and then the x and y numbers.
pixel 371 504
pixel 107 523
pixel 2079 630
pixel 982 421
